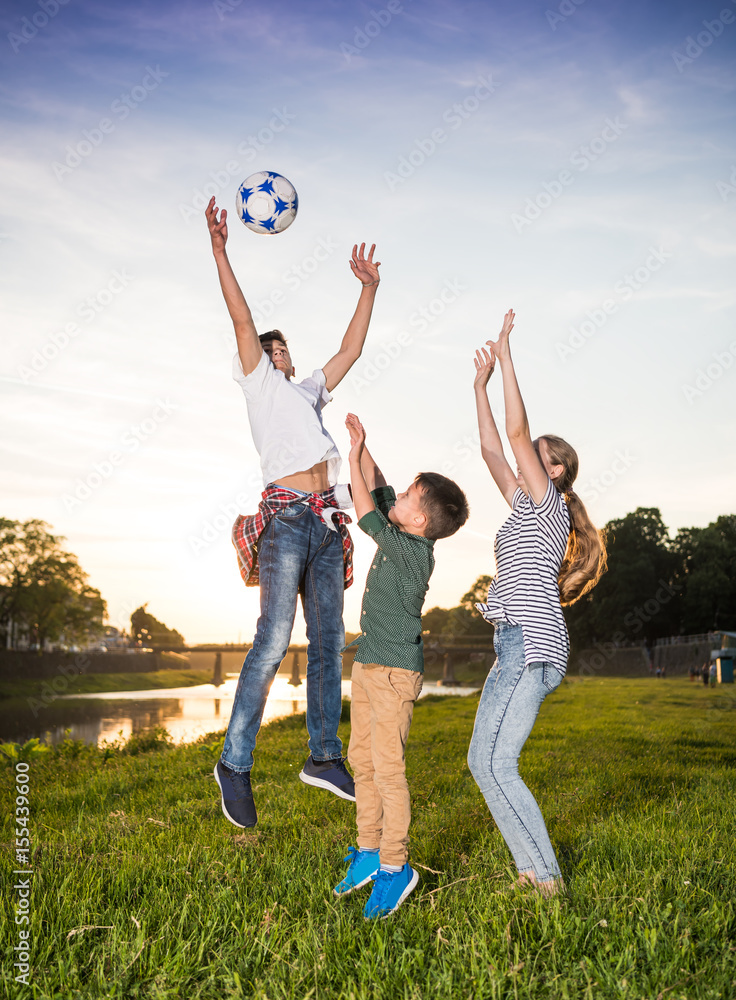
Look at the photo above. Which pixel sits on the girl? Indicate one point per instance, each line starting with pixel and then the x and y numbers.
pixel 547 553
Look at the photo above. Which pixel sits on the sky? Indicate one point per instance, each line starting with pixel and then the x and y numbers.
pixel 573 161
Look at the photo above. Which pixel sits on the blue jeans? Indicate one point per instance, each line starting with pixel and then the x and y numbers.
pixel 297 555
pixel 508 708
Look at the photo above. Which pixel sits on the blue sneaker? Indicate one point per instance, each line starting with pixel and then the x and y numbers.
pixel 329 774
pixel 389 892
pixel 363 867
pixel 237 797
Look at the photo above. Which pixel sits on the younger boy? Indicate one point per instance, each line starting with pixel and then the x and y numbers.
pixel 389 664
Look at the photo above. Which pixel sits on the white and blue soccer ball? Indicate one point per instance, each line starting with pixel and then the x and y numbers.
pixel 266 203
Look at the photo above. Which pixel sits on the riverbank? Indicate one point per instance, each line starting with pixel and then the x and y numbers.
pixel 91 683
pixel 467 674
pixel 142 889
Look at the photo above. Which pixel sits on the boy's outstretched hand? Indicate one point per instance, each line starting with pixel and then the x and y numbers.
pixel 218 230
pixel 357 434
pixel 363 267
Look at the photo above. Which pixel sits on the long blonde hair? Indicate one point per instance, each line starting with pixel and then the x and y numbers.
pixel 585 558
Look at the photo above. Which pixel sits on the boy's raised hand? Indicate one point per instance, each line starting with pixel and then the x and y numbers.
pixel 363 267
pixel 357 434
pixel 500 347
pixel 218 230
pixel 485 362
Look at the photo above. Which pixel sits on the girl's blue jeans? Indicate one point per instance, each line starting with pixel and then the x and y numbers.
pixel 508 708
pixel 298 555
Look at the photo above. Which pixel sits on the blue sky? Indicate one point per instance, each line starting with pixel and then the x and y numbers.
pixel 576 162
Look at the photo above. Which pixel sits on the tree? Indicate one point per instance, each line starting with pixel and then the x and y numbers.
pixel 638 597
pixel 707 575
pixel 147 630
pixel 654 586
pixel 44 594
pixel 464 620
pixel 478 593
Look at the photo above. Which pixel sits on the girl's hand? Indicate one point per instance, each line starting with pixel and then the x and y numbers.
pixel 500 347
pixel 485 362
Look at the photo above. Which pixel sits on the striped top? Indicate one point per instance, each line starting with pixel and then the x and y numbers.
pixel 529 550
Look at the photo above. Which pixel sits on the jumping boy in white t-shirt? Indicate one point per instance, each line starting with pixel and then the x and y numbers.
pixel 292 546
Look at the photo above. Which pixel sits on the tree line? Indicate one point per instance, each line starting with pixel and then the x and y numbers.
pixel 44 594
pixel 45 597
pixel 655 586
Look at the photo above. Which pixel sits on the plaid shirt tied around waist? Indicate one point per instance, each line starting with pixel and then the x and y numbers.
pixel 249 527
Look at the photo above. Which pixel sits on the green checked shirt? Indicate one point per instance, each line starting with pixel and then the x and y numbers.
pixel 391 616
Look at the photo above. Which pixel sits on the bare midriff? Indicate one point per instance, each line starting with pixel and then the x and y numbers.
pixel 312 480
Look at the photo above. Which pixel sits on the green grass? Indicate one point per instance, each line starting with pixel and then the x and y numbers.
pixel 635 778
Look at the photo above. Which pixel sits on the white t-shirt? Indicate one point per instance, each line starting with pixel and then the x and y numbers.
pixel 529 548
pixel 286 421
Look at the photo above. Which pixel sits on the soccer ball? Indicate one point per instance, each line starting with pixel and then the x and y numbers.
pixel 266 202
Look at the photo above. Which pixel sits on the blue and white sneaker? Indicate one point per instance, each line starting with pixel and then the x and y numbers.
pixel 363 867
pixel 329 774
pixel 389 892
pixel 237 796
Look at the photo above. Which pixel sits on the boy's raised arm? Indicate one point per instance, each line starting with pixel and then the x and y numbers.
pixel 361 490
pixel 371 473
pixel 352 343
pixel 249 346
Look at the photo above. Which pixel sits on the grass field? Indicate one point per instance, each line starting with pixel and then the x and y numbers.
pixel 141 888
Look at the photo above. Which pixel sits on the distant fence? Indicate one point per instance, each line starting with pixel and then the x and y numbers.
pixel 607 660
pixel 680 657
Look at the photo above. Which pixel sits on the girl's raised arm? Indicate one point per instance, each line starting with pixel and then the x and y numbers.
pixel 517 426
pixel 490 442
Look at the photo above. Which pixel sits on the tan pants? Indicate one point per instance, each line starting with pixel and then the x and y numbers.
pixel 381 707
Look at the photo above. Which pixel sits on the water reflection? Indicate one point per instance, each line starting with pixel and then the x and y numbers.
pixel 186 713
